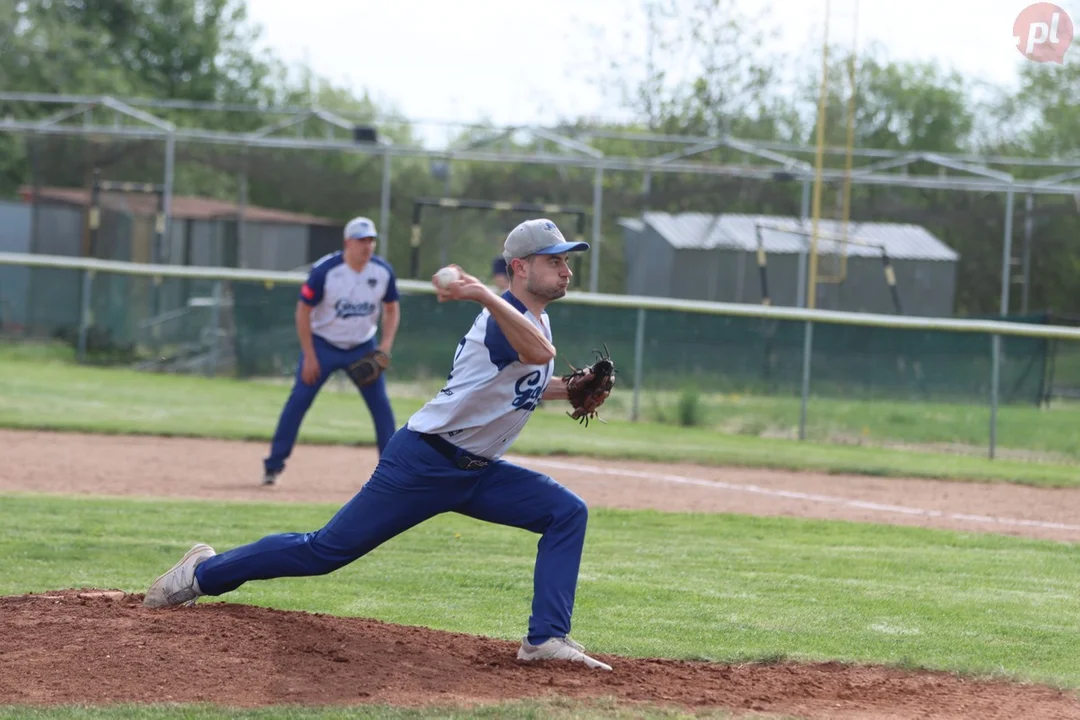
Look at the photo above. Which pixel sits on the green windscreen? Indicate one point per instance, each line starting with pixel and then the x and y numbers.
pixel 247 330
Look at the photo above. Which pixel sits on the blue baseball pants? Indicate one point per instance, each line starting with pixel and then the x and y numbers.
pixel 413 482
pixel 330 360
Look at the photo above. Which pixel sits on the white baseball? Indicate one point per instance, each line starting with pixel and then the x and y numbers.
pixel 447 275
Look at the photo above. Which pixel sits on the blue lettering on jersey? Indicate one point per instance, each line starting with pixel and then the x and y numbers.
pixel 450 375
pixel 346 309
pixel 527 391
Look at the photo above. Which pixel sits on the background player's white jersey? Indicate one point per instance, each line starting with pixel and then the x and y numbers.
pixel 490 393
pixel 347 303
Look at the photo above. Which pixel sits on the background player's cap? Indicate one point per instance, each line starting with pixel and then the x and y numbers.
pixel 360 227
pixel 538 237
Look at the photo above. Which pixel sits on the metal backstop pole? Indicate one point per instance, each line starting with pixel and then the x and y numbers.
pixel 804 215
pixel 384 206
pixel 167 197
pixel 598 207
pixel 995 345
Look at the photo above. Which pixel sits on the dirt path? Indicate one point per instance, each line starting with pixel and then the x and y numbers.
pixel 73 646
pixel 197 468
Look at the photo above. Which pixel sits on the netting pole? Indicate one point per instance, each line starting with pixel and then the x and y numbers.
pixel 890 280
pixel 808 341
pixel 995 361
pixel 241 210
pixel 1029 221
pixel 160 252
pixel 444 227
pixel 167 192
pixel 93 219
pixel 598 207
pixel 85 317
pixel 1006 252
pixel 579 236
pixel 639 361
pixel 812 281
pixel 762 272
pixel 384 207
pixel 414 241
pixel 35 193
pixel 804 215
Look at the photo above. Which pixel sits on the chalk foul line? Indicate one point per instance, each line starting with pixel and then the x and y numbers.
pixel 794 495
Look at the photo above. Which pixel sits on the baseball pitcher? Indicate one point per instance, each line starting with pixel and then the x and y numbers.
pixel 448 457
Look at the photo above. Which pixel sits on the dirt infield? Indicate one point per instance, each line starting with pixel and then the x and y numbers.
pixel 92 647
pixel 85 646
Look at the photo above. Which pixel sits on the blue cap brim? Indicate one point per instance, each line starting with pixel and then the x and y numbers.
pixel 562 248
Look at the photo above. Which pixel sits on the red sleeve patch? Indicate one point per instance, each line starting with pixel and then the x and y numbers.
pixel 307 292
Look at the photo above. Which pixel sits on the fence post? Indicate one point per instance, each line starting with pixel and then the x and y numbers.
pixel 215 331
pixel 995 381
pixel 639 360
pixel 808 343
pixel 86 316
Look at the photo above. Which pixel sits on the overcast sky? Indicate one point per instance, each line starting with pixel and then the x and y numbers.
pixel 515 62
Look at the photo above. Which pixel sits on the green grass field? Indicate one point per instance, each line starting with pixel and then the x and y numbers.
pixel 41 388
pixel 693 586
pixel 714 587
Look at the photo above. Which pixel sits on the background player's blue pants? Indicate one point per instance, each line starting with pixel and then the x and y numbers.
pixel 413 482
pixel 302 395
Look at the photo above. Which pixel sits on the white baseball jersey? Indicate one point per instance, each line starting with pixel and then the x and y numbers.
pixel 490 394
pixel 347 303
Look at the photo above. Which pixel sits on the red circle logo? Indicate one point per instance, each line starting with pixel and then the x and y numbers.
pixel 1043 32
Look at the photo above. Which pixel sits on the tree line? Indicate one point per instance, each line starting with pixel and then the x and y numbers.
pixel 205 50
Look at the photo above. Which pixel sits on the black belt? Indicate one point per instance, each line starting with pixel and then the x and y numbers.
pixel 463 459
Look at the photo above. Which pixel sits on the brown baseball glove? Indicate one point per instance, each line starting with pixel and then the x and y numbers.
pixel 367 369
pixel 587 388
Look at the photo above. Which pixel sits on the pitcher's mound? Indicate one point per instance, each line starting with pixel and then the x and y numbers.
pixel 93 646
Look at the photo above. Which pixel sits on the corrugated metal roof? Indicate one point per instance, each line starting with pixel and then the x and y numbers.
pixel 779 234
pixel 184 207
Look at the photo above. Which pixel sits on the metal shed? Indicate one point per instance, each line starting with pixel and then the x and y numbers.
pixel 701 256
pixel 204 231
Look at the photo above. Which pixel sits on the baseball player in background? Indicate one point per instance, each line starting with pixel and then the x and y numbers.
pixel 447 458
pixel 337 318
pixel 499 277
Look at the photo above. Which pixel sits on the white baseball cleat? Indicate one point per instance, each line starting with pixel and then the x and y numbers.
pixel 558 648
pixel 178 586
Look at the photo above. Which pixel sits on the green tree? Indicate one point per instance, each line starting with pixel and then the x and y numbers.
pixel 898 105
pixel 1042 119
pixel 191 49
pixel 701 72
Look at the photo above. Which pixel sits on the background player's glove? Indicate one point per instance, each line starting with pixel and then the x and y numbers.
pixel 587 388
pixel 367 369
